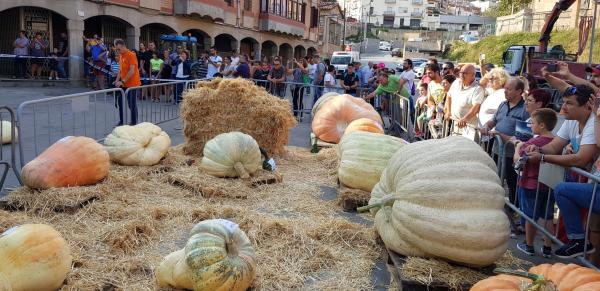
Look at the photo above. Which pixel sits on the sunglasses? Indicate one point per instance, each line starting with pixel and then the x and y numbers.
pixel 571 91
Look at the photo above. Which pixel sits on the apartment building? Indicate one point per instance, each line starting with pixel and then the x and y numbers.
pixel 260 28
pixel 401 13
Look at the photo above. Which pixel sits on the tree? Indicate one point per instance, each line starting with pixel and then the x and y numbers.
pixel 505 7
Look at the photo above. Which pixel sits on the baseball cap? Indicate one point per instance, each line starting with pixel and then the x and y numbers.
pixel 381 65
pixel 594 70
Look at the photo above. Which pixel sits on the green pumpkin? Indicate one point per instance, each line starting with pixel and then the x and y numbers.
pixel 218 256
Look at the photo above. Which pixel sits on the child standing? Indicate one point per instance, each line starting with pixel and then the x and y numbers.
pixel 53 64
pixel 542 123
pixel 424 109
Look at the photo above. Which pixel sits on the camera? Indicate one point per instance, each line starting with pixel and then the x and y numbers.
pixel 520 164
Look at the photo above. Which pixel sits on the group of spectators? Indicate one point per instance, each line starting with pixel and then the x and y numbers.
pixel 37 52
pixel 524 117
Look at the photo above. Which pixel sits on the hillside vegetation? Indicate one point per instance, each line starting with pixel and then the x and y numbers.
pixel 494 46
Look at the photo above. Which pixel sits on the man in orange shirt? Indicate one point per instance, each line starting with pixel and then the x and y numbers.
pixel 128 77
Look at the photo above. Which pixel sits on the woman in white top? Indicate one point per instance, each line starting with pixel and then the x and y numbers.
pixel 493 83
pixel 329 81
pixel 227 69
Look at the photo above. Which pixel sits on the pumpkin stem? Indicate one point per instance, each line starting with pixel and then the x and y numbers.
pixel 239 168
pixel 369 207
pixel 534 277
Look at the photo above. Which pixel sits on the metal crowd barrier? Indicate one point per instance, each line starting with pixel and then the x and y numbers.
pixel 399 112
pixel 10 145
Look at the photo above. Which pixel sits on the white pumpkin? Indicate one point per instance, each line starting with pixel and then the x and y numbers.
pixel 232 154
pixel 6 132
pixel 363 156
pixel 33 257
pixel 218 256
pixel 144 144
pixel 442 199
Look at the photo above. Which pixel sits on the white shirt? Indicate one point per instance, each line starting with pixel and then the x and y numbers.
pixel 409 78
pixel 212 69
pixel 329 79
pixel 570 131
pixel 180 72
pixel 490 105
pixel 312 68
pixel 463 99
pixel 235 61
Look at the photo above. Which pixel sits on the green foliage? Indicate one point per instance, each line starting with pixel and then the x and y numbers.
pixel 505 7
pixel 494 46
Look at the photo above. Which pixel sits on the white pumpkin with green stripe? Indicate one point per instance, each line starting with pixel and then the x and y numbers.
pixel 232 154
pixel 442 199
pixel 363 156
pixel 218 256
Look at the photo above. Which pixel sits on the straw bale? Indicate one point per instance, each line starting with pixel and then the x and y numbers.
pixel 117 240
pixel 225 105
pixel 428 271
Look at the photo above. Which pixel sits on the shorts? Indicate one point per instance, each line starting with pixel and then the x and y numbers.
pixel 36 61
pixel 595 222
pixel 98 65
pixel 544 208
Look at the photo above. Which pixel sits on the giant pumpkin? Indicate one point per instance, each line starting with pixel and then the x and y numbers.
pixel 33 257
pixel 331 120
pixel 144 144
pixel 363 156
pixel 232 154
pixel 218 256
pixel 71 161
pixel 364 124
pixel 562 277
pixel 322 100
pixel 442 199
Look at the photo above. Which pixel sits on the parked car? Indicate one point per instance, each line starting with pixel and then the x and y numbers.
pixel 385 45
pixel 416 63
pixel 396 52
pixel 420 70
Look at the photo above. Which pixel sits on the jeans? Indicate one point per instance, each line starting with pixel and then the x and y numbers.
pixel 318 92
pixel 131 103
pixel 20 67
pixel 570 198
pixel 411 111
pixel 542 207
pixel 298 100
pixel 60 68
pixel 179 90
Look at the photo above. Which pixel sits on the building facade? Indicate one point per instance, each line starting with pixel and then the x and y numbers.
pixel 331 28
pixel 259 28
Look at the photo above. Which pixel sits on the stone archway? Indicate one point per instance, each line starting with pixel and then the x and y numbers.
pixel 225 43
pixel 269 49
pixel 251 47
pixel 286 52
pixel 204 39
pixel 151 33
pixel 299 52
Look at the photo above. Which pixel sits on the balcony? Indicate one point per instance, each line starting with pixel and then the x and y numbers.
pixel 416 14
pixel 417 2
pixel 213 9
pixel 389 13
pixel 283 17
pixel 390 1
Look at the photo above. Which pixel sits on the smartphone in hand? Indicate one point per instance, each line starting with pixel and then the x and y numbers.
pixel 552 68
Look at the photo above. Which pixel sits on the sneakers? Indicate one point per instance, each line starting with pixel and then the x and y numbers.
pixel 527 249
pixel 573 249
pixel 546 252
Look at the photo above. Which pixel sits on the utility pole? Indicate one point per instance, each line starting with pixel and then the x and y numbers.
pixel 344 29
pixel 593 31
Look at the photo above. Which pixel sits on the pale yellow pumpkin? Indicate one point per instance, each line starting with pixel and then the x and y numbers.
pixel 232 154
pixel 144 144
pixel 363 156
pixel 442 199
pixel 7 133
pixel 33 257
pixel 322 100
pixel 217 257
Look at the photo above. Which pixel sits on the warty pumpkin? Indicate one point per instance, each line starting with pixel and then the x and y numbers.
pixel 363 156
pixel 144 144
pixel 232 154
pixel 442 199
pixel 364 124
pixel 549 277
pixel 331 120
pixel 71 161
pixel 6 132
pixel 217 257
pixel 33 257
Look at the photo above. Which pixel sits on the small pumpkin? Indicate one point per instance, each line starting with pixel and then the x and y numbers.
pixel 364 124
pixel 144 144
pixel 331 120
pixel 544 277
pixel 436 197
pixel 7 133
pixel 363 156
pixel 33 257
pixel 71 161
pixel 218 256
pixel 232 154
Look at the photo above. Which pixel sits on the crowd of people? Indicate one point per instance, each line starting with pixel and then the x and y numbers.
pixel 35 50
pixel 525 119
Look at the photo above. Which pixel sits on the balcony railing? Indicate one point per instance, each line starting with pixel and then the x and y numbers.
pixel 417 2
pixel 292 9
pixel 389 13
pixel 390 1
pixel 416 14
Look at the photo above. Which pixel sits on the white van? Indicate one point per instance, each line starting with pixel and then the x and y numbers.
pixel 385 46
pixel 340 61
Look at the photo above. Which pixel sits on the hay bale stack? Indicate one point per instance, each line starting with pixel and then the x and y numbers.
pixel 225 105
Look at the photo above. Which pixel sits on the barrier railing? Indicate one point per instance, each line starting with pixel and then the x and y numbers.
pixel 399 111
pixel 8 143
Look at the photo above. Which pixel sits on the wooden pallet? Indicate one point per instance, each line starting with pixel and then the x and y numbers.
pixel 395 261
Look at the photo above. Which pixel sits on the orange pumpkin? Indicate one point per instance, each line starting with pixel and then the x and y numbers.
pixel 364 124
pixel 71 161
pixel 330 122
pixel 569 277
